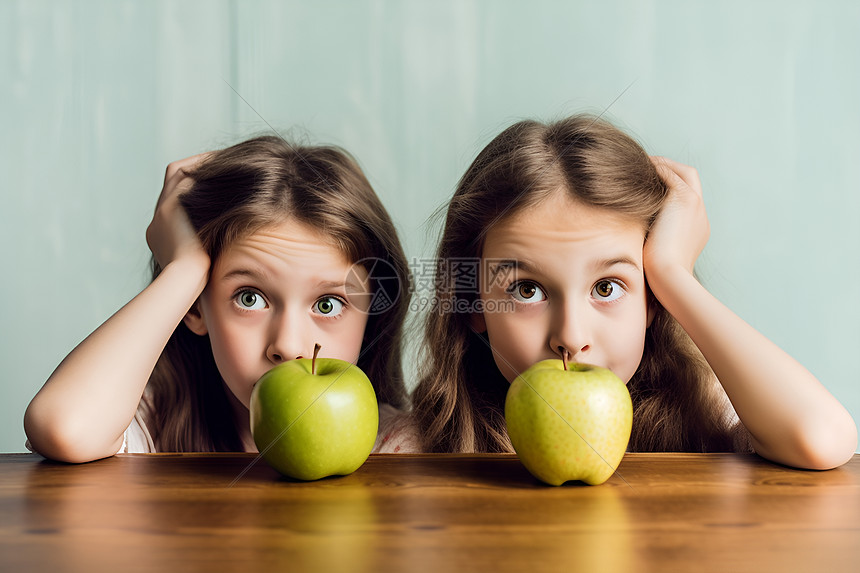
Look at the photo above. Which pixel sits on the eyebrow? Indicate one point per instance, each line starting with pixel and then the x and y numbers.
pixel 498 266
pixel 337 284
pixel 236 273
pixel 622 260
pixel 252 274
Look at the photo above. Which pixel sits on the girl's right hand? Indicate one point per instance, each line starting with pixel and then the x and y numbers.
pixel 82 412
pixel 170 235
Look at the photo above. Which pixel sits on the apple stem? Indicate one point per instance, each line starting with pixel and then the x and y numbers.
pixel 563 356
pixel 314 359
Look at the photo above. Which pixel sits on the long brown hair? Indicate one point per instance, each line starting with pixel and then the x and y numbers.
pixel 236 192
pixel 458 403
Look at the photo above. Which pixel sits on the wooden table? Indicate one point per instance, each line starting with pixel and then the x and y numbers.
pixel 229 512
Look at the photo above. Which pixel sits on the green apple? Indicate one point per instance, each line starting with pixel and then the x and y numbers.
pixel 569 421
pixel 312 418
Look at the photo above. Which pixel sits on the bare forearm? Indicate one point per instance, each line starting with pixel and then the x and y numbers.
pixel 790 415
pixel 85 406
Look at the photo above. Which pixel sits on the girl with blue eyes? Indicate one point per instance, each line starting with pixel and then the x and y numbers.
pixel 586 248
pixel 260 251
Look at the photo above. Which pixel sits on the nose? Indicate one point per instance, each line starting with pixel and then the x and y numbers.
pixel 286 340
pixel 571 331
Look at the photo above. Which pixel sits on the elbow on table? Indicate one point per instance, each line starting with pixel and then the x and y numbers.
pixel 817 446
pixel 63 440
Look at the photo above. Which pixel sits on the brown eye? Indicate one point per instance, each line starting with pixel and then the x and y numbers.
pixel 526 290
pixel 607 290
pixel 604 288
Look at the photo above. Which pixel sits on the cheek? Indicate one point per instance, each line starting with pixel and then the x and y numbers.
pixel 516 343
pixel 231 349
pixel 344 337
pixel 627 365
pixel 629 342
pixel 237 345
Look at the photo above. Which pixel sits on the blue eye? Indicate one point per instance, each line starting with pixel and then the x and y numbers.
pixel 526 292
pixel 328 306
pixel 606 290
pixel 250 300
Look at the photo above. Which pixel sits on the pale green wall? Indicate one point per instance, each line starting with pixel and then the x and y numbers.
pixel 97 97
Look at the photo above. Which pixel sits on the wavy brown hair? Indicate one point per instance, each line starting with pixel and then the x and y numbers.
pixel 459 401
pixel 240 190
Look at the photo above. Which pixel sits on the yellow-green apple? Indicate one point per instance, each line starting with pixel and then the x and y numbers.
pixel 313 418
pixel 569 421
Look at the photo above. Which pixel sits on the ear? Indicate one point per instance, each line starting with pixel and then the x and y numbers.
pixel 194 320
pixel 477 322
pixel 652 310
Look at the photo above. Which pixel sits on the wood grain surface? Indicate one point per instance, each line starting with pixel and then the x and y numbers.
pixel 231 512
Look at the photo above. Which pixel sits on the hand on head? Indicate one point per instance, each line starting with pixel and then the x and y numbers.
pixel 681 229
pixel 170 235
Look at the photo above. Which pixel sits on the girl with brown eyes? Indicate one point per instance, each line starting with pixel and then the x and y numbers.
pixel 587 247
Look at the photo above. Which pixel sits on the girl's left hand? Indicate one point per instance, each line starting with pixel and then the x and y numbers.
pixel 681 229
pixel 791 417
